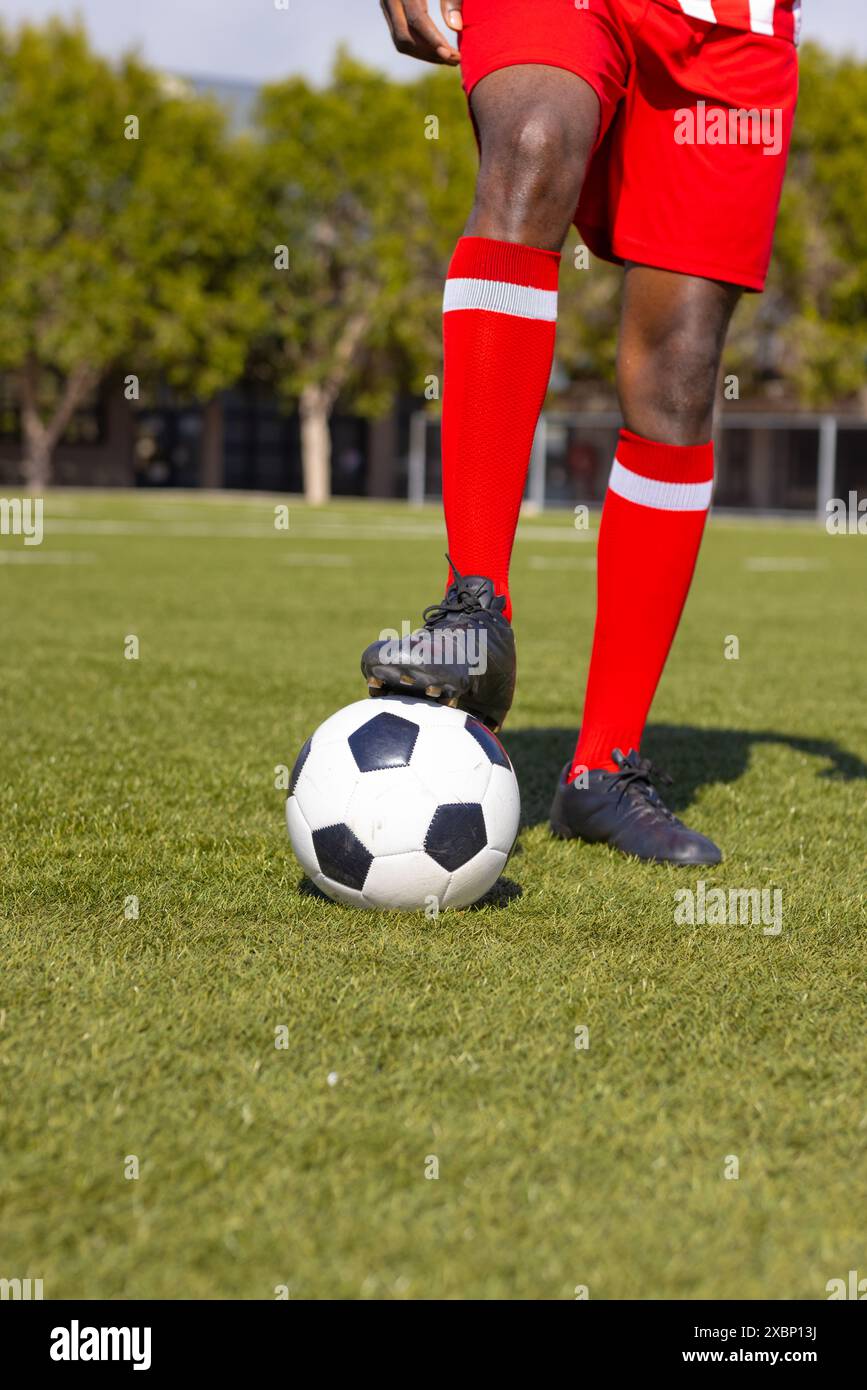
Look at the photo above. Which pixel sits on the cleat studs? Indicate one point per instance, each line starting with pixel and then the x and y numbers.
pixel 453 702
pixel 434 691
pixel 374 683
pixel 407 680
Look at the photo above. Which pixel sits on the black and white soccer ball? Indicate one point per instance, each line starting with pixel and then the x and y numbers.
pixel 398 803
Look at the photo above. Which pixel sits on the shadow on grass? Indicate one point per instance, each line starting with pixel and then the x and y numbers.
pixel 503 894
pixel 307 888
pixel 693 757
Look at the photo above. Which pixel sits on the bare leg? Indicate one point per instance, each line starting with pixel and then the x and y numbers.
pixel 537 127
pixel 672 334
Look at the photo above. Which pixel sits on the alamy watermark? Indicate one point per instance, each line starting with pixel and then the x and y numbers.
pixel 853 1287
pixel 22 516
pixel 846 517
pixel 22 1289
pixel 77 1343
pixel 440 646
pixel 730 907
pixel 729 125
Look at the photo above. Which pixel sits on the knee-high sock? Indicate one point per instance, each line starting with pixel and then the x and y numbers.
pixel 649 537
pixel 499 322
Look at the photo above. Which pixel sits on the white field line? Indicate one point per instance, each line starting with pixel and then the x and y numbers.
pixel 329 531
pixel 185 530
pixel 411 530
pixel 782 564
pixel 560 562
pixel 34 556
pixel 72 500
pixel 322 559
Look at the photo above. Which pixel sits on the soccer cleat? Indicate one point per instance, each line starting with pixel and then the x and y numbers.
pixel 464 656
pixel 624 809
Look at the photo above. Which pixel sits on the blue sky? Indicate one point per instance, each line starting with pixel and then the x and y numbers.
pixel 252 39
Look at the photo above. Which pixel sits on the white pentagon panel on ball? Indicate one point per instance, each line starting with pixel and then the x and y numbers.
pixel 451 764
pixel 390 811
pixel 475 878
pixel 501 807
pixel 405 881
pixel 302 838
pixel 325 783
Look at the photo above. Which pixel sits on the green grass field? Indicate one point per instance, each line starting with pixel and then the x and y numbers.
pixel 558 1167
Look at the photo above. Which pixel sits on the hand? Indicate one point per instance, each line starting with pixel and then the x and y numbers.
pixel 414 32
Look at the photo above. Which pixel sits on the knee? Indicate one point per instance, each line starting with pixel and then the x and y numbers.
pixel 543 145
pixel 668 384
pixel 532 170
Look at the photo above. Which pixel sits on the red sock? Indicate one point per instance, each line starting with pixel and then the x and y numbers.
pixel 499 321
pixel 652 524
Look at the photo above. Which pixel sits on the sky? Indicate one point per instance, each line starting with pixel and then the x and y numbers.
pixel 253 40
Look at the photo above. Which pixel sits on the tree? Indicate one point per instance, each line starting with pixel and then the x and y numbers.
pixel 364 197
pixel 122 223
pixel 808 332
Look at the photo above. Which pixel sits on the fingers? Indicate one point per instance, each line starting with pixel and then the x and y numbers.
pixel 452 14
pixel 427 34
pixel 387 7
pixel 414 32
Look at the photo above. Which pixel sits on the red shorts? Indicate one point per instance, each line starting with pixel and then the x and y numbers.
pixel 696 120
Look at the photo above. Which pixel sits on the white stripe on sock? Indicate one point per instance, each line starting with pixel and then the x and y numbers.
pixel 666 497
pixel 500 297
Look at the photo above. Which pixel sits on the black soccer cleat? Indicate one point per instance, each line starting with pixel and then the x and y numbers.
pixel 625 810
pixel 463 656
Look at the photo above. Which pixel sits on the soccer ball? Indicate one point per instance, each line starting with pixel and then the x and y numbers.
pixel 396 802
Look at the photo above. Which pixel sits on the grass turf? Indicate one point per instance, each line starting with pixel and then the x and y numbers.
pixel 155 1037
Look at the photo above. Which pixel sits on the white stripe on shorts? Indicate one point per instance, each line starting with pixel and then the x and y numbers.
pixel 666 497
pixel 699 9
pixel 500 297
pixel 762 16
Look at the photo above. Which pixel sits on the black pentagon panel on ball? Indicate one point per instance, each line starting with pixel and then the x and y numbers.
pixel 299 764
pixel 456 834
pixel 341 856
pixel 489 742
pixel 384 741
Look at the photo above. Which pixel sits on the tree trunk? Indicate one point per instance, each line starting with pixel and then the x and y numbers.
pixel 211 464
pixel 41 439
pixel 315 407
pixel 36 463
pixel 315 411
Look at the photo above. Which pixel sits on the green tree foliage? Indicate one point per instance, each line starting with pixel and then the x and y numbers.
pixel 806 337
pixel 114 251
pixel 365 184
pixel 158 255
